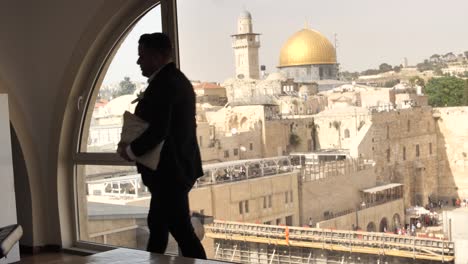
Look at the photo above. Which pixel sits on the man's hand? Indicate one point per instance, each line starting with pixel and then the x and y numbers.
pixel 122 150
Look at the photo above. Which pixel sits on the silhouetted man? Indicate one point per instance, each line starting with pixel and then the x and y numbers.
pixel 168 105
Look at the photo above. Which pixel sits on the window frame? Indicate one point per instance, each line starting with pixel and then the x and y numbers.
pixel 87 99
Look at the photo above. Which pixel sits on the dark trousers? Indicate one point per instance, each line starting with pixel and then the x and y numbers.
pixel 169 212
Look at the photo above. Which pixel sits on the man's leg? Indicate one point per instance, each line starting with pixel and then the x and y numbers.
pixel 181 227
pixel 157 224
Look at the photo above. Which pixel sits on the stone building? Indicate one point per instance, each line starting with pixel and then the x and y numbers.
pixel 400 139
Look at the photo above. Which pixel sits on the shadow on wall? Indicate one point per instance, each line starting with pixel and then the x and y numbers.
pixel 22 190
pixel 448 149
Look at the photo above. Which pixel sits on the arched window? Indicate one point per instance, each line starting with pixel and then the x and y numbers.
pixel 370 227
pixel 104 182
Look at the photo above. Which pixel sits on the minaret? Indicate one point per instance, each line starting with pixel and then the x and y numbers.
pixel 246 44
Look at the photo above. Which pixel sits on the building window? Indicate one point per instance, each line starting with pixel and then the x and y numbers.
pixel 346 133
pixel 404 153
pixel 286 197
pixel 388 131
pixel 388 155
pixel 409 125
pixel 289 220
pixel 247 206
pixel 241 208
pixel 251 146
pixel 269 201
pixel 291 196
pixel 226 153
pixel 417 150
pixel 236 152
pixel 264 202
pixel 430 148
pixel 278 221
pixel 200 141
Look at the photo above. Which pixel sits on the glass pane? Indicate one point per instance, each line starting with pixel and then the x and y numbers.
pixel 113 205
pixel 121 81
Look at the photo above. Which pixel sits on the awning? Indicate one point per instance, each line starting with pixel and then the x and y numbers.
pixel 382 188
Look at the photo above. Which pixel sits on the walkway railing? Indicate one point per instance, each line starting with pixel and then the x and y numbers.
pixel 345 241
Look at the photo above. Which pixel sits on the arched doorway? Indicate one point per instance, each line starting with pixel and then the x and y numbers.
pixel 370 227
pixel 396 221
pixel 383 227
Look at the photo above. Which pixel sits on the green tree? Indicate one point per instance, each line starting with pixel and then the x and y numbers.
pixel 391 83
pixel 337 126
pixel 349 76
pixel 438 71
pixel 465 93
pixel 294 140
pixel 445 91
pixel 370 72
pixel 424 66
pixel 416 80
pixel 397 68
pixel 126 86
pixel 385 67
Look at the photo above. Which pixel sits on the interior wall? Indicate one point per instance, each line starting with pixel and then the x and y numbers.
pixel 44 47
pixel 22 189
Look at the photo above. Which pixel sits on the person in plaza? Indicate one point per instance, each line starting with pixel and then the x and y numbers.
pixel 168 106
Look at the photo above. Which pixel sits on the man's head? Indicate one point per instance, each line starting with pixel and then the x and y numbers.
pixel 154 50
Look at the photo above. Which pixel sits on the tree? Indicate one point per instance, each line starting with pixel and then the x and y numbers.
pixel 416 80
pixel 126 86
pixel 294 140
pixel 438 71
pixel 349 76
pixel 337 126
pixel 445 91
pixel 465 93
pixel 385 67
pixel 391 83
pixel 424 66
pixel 397 68
pixel 466 54
pixel 370 72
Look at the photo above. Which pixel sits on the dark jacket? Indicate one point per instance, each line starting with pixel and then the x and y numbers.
pixel 168 105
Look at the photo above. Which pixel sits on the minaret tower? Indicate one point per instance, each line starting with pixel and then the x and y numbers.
pixel 246 44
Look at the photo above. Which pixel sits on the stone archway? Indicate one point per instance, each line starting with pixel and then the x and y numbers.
pixel 243 123
pixel 370 227
pixel 383 226
pixel 396 222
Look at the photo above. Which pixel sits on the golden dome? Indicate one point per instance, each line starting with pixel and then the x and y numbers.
pixel 307 47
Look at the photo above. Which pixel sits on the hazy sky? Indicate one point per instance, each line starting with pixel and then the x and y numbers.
pixel 369 32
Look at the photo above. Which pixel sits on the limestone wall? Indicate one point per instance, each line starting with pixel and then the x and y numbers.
pixel 222 200
pixel 334 194
pixel 452 132
pixel 363 218
pixel 337 128
pixel 404 148
pixel 277 134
